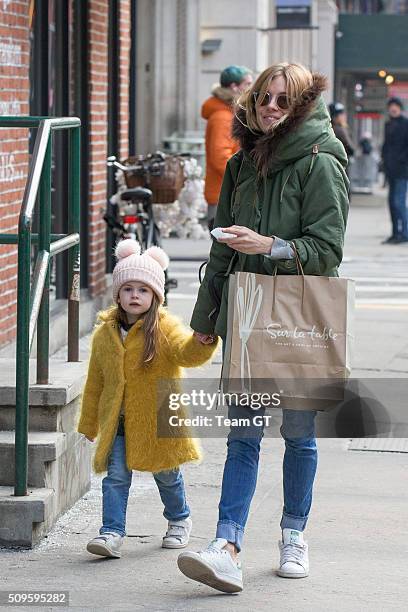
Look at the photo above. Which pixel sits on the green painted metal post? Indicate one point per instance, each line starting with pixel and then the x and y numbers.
pixel 39 183
pixel 44 245
pixel 74 252
pixel 22 358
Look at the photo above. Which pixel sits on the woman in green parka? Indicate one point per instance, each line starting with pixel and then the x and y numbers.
pixel 287 184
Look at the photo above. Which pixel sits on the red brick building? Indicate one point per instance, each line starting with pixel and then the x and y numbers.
pixel 130 69
pixel 65 57
pixel 14 100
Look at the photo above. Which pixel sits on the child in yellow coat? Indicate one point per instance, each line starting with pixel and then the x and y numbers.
pixel 137 344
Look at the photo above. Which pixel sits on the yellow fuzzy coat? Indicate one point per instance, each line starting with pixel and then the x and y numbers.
pixel 115 376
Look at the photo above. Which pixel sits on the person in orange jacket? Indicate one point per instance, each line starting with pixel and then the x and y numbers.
pixel 219 145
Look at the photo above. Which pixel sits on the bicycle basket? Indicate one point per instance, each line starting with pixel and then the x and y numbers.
pixel 164 175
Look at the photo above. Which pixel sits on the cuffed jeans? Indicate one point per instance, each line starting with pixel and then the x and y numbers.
pixel 397 202
pixel 116 485
pixel 241 471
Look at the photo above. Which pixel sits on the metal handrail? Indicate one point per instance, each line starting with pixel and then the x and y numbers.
pixel 34 311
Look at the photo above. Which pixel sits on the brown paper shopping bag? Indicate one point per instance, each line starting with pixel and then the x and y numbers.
pixel 291 334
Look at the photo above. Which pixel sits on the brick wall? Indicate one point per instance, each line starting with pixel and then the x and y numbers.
pixel 14 100
pixel 125 22
pixel 98 80
pixel 14 96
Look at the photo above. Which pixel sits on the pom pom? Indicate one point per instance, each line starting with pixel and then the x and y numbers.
pixel 158 255
pixel 127 247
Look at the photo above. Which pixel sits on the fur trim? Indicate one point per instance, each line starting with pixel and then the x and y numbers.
pixel 112 369
pixel 225 94
pixel 262 147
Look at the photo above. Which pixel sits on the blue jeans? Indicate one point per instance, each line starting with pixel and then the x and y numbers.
pixel 116 485
pixel 241 471
pixel 397 202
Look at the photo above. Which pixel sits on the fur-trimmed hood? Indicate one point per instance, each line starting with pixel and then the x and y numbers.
pixel 226 94
pixel 222 99
pixel 308 124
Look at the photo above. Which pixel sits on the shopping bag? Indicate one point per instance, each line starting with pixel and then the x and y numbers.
pixel 291 334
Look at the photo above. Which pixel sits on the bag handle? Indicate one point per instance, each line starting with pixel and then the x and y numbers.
pixel 299 266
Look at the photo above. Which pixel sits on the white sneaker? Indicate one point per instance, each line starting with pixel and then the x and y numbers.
pixel 106 545
pixel 294 558
pixel 178 534
pixel 213 566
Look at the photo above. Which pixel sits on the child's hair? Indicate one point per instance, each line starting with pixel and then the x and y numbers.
pixel 150 327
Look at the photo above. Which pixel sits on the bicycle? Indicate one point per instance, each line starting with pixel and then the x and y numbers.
pixel 135 217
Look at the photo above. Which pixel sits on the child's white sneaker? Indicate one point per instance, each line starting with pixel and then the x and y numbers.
pixel 106 545
pixel 178 534
pixel 213 566
pixel 294 558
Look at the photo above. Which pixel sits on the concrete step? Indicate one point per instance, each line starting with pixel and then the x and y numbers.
pixel 25 520
pixel 58 457
pixel 67 381
pixel 43 447
pixel 53 407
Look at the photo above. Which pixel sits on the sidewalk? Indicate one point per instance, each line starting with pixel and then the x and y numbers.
pixel 186 249
pixel 356 531
pixel 358 553
pixel 365 232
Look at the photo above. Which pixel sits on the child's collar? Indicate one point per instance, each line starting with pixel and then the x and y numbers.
pixel 128 326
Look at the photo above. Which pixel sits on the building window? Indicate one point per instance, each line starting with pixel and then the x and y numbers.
pixel 293 14
pixel 372 7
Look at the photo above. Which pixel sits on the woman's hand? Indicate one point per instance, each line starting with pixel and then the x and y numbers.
pixel 204 338
pixel 247 241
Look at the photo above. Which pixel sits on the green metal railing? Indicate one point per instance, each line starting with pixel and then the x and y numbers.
pixel 33 302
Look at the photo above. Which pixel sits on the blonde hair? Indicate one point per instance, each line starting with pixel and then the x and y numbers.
pixel 297 78
pixel 150 328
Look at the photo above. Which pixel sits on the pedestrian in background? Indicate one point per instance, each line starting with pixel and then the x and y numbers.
pixel 339 122
pixel 395 165
pixel 287 186
pixel 137 344
pixel 219 144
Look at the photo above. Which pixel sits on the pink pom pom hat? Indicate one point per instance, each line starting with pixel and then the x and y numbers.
pixel 146 268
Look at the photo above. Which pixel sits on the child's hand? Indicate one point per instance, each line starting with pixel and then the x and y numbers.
pixel 204 338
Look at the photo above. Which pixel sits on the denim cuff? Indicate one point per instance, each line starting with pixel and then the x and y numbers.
pixel 108 530
pixel 280 249
pixel 231 532
pixel 289 521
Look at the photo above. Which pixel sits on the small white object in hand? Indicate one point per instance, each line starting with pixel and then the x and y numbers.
pixel 218 233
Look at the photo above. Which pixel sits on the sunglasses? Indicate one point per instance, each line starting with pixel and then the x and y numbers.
pixel 281 102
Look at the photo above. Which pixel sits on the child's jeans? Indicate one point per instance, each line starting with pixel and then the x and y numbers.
pixel 116 485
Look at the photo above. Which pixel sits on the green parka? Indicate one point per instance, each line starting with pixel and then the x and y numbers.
pixel 291 184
